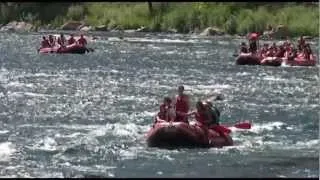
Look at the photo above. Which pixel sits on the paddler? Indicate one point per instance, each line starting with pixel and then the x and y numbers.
pixel 51 41
pixel 45 43
pixel 243 48
pixel 214 113
pixel 71 40
pixel 167 113
pixel 182 106
pixel 82 41
pixel 62 40
pixel 253 47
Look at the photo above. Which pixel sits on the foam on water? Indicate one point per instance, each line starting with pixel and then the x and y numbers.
pixel 6 150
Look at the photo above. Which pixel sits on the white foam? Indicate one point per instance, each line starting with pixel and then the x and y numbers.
pixel 6 150
pixel 257 128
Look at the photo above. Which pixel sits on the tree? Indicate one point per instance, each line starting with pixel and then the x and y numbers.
pixel 150 7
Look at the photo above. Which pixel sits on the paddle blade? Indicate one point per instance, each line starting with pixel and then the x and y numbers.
pixel 221 129
pixel 243 125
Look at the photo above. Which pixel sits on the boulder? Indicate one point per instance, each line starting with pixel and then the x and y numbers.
pixel 307 37
pixel 86 28
pixel 212 31
pixel 172 30
pixel 23 26
pixel 17 26
pixel 101 28
pixel 72 25
pixel 281 32
pixel 130 31
pixel 143 29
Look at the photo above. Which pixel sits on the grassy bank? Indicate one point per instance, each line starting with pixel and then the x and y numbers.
pixel 233 18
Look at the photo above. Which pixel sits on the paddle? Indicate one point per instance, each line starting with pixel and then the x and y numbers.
pixel 225 129
pixel 89 50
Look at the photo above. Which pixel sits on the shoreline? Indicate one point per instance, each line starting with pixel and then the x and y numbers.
pixel 200 18
pixel 126 32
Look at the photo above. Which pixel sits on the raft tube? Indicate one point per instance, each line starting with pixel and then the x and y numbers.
pixel 72 49
pixel 300 61
pixel 180 134
pixel 271 61
pixel 247 59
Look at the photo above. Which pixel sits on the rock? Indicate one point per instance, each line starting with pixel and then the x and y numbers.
pixel 281 32
pixel 143 29
pixel 307 37
pixel 86 28
pixel 101 28
pixel 72 25
pixel 172 30
pixel 17 26
pixel 23 26
pixel 130 31
pixel 212 31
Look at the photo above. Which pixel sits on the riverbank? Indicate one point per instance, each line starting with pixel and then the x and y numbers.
pixel 277 20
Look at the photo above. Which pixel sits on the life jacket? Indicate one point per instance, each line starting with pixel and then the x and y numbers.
pixel 201 118
pixel 45 44
pixel 71 41
pixel 244 49
pixel 181 104
pixel 61 41
pixel 163 112
pixel 253 47
pixel 82 41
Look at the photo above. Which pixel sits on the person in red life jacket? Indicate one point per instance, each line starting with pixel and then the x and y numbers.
pixel 181 105
pixel 307 52
pixel 264 50
pixel 301 43
pixel 243 48
pixel 202 117
pixel 71 40
pixel 166 113
pixel 281 52
pixel 51 41
pixel 82 41
pixel 293 54
pixel 62 40
pixel 253 46
pixel 45 43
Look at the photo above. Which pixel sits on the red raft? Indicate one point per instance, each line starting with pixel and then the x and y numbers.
pixel 253 59
pixel 271 61
pixel 180 134
pixel 300 61
pixel 72 49
pixel 247 59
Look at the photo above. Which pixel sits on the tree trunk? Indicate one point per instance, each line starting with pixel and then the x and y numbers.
pixel 150 7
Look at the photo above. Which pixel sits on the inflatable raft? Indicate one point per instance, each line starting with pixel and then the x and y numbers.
pixel 271 61
pixel 247 59
pixel 180 134
pixel 72 49
pixel 300 61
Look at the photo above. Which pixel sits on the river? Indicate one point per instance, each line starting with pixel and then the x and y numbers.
pixel 87 115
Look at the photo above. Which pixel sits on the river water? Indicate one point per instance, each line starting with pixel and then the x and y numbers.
pixel 87 115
